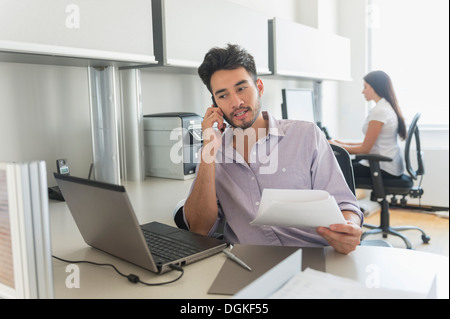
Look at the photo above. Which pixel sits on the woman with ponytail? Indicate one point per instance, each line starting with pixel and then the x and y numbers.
pixel 383 127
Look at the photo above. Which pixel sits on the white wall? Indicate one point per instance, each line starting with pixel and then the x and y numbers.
pixel 435 182
pixel 351 103
pixel 44 115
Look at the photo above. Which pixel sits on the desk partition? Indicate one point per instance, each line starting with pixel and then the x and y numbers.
pixel 25 248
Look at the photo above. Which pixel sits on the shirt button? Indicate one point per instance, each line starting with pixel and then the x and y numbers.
pixel 283 169
pixel 253 178
pixel 257 203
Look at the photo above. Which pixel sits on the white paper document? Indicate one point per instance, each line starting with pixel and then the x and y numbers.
pixel 298 208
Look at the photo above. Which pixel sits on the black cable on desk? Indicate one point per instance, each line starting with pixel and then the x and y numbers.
pixel 131 277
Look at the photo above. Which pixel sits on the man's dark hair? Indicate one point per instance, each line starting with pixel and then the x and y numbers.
pixel 229 58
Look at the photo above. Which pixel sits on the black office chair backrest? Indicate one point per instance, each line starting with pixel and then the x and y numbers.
pixel 345 162
pixel 413 131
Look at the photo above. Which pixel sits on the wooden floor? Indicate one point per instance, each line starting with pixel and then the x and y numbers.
pixel 434 226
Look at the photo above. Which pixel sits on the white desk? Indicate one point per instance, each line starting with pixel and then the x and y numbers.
pixel 397 268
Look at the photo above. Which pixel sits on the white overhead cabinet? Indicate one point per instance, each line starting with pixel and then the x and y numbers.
pixel 71 31
pixel 186 30
pixel 301 51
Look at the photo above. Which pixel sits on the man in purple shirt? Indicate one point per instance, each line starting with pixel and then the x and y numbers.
pixel 259 152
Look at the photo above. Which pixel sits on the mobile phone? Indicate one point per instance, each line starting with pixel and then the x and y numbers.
pixel 214 101
pixel 62 166
pixel 224 122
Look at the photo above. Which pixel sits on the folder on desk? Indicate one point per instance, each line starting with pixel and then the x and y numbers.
pixel 262 259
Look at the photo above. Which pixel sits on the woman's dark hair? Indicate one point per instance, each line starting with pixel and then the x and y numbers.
pixel 382 85
pixel 229 58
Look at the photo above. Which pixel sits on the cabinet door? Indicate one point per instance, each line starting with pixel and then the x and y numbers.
pixel 114 30
pixel 302 51
pixel 190 28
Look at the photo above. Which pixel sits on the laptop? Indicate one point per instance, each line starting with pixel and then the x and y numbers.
pixel 106 221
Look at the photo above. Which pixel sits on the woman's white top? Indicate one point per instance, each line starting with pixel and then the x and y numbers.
pixel 387 142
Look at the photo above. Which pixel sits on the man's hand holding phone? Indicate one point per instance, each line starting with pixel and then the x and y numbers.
pixel 212 139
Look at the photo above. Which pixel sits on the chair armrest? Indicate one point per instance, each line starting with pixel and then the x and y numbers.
pixel 373 157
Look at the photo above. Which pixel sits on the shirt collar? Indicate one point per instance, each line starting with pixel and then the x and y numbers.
pixel 275 127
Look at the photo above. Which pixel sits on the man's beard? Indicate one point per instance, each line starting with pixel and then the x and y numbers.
pixel 245 125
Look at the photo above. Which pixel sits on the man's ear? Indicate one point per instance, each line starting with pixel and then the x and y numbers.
pixel 260 86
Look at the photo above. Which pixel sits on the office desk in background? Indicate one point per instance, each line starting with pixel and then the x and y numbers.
pixel 395 268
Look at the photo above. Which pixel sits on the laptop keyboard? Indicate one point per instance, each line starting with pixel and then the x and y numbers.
pixel 167 248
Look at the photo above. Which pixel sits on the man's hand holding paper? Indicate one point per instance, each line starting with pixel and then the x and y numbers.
pixel 343 238
pixel 311 209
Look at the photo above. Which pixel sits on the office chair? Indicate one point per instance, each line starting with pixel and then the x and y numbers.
pixel 178 215
pixel 382 187
pixel 345 163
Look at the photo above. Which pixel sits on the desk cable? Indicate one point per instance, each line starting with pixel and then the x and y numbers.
pixel 131 277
